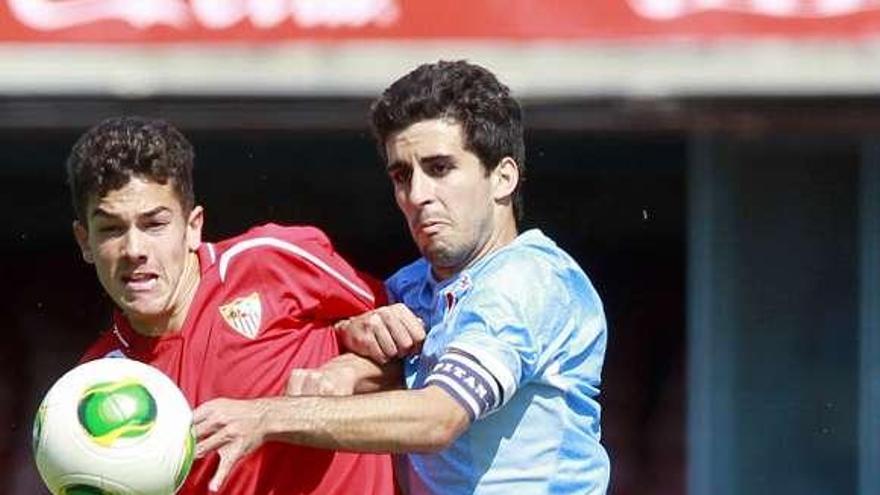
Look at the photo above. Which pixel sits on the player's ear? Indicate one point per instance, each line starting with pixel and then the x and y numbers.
pixel 81 234
pixel 505 178
pixel 194 227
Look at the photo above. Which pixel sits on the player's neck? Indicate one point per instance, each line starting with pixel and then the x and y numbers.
pixel 172 321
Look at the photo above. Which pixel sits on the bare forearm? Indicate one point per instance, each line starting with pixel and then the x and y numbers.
pixel 423 420
pixel 395 421
pixel 367 376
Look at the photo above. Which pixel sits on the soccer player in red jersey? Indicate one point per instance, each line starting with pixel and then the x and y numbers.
pixel 229 319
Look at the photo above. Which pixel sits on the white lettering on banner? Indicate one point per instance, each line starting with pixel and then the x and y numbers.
pixel 48 15
pixel 670 9
pixel 221 14
pixel 354 13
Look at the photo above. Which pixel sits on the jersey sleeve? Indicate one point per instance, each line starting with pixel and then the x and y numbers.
pixel 510 328
pixel 486 362
pixel 300 263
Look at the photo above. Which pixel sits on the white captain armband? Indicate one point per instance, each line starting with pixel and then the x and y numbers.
pixel 468 382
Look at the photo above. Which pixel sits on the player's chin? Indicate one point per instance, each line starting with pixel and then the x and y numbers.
pixel 434 251
pixel 441 255
pixel 143 308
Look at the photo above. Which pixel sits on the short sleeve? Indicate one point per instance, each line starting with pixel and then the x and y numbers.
pixel 497 342
pixel 495 354
pixel 511 326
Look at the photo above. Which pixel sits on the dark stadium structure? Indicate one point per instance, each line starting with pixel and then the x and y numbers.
pixel 734 242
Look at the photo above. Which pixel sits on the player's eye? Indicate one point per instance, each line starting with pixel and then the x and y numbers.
pixel 156 225
pixel 110 229
pixel 439 167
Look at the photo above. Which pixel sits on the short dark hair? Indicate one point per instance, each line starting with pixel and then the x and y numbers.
pixel 466 93
pixel 109 154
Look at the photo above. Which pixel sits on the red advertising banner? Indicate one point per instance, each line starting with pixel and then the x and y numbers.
pixel 175 21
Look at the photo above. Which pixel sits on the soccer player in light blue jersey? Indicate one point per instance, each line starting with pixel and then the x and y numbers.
pixel 502 397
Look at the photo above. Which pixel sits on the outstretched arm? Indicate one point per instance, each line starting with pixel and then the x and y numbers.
pixel 422 420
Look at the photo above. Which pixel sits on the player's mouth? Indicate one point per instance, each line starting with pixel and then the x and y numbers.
pixel 140 281
pixel 430 227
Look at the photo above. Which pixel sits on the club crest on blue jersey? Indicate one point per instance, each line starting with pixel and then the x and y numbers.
pixel 244 315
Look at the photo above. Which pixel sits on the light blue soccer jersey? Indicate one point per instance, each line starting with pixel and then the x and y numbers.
pixel 518 339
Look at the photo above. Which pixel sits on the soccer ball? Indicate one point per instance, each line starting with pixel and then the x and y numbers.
pixel 114 426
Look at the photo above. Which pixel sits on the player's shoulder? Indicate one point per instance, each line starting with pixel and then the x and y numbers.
pixel 271 246
pixel 271 237
pixel 273 233
pixel 533 262
pixel 531 254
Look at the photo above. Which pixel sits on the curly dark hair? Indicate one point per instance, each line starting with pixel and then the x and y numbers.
pixel 465 93
pixel 109 154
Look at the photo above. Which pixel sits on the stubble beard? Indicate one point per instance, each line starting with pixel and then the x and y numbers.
pixel 445 257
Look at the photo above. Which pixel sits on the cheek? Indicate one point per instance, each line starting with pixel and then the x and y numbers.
pixel 104 267
pixel 402 204
pixel 471 209
pixel 171 256
pixel 103 256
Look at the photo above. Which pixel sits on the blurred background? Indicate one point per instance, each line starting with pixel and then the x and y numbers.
pixel 714 165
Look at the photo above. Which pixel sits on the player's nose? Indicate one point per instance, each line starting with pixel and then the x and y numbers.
pixel 421 188
pixel 133 245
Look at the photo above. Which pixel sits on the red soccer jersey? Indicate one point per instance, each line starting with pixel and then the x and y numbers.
pixel 264 305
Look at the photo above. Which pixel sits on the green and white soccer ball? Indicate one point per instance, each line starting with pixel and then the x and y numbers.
pixel 114 427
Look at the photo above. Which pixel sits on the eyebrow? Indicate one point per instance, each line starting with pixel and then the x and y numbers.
pixel 100 212
pixel 422 161
pixel 428 160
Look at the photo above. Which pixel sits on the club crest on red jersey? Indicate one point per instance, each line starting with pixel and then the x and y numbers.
pixel 244 315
